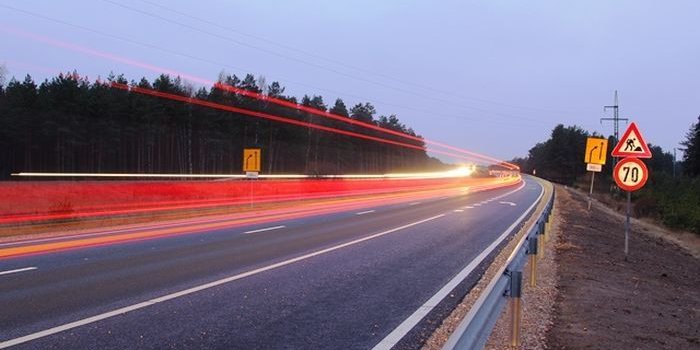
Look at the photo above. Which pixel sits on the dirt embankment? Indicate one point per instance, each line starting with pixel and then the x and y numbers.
pixel 651 300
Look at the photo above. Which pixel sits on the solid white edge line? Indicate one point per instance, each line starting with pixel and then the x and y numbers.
pixel 399 332
pixel 17 270
pixel 365 212
pixel 123 310
pixel 265 229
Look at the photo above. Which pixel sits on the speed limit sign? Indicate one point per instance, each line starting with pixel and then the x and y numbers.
pixel 630 174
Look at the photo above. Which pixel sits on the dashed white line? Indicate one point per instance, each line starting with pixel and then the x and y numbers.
pixel 468 207
pixel 365 212
pixel 17 270
pixel 414 203
pixel 508 203
pixel 399 332
pixel 459 210
pixel 266 229
pixel 141 305
pixel 477 204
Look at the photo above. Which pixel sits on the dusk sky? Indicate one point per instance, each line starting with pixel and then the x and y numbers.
pixel 493 77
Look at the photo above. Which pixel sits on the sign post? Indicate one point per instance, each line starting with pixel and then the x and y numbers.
pixel 630 173
pixel 595 157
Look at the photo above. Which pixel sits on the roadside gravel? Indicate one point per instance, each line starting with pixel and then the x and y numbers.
pixel 588 296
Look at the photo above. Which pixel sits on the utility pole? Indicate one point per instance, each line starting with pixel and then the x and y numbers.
pixel 674 162
pixel 616 121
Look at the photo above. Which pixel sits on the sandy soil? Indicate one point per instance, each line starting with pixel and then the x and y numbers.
pixel 649 300
pixel 588 296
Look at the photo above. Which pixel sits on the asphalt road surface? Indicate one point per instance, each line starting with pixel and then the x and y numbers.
pixel 350 280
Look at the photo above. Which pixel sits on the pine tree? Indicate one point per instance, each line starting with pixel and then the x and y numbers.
pixel 691 156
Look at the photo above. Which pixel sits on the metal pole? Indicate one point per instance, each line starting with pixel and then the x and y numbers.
pixel 616 121
pixel 532 253
pixel 533 270
pixel 627 223
pixel 590 193
pixel 540 240
pixel 674 162
pixel 516 278
pixel 250 198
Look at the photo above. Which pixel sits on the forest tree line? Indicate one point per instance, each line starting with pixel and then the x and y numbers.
pixel 671 195
pixel 69 124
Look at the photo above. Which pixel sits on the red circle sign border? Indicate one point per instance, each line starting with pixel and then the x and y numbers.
pixel 645 174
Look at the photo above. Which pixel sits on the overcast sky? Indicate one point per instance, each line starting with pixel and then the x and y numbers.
pixel 490 76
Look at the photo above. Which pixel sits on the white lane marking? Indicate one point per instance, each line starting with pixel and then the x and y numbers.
pixel 365 212
pixel 141 305
pixel 17 270
pixel 397 334
pixel 509 203
pixel 477 204
pixel 459 210
pixel 468 207
pixel 414 203
pixel 266 229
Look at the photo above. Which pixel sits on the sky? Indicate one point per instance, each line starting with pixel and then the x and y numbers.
pixel 493 77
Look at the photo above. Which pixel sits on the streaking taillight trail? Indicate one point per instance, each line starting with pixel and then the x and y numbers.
pixel 36 201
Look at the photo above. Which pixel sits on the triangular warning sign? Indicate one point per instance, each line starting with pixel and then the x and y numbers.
pixel 632 144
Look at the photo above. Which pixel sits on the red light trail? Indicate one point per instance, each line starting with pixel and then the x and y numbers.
pixel 132 62
pixel 280 102
pixel 38 201
pixel 268 116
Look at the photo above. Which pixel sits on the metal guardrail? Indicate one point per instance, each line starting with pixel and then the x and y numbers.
pixel 476 327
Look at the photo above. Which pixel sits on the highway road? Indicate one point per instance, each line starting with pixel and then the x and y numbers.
pixel 372 277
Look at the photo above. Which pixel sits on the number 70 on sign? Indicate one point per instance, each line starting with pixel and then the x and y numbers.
pixel 630 174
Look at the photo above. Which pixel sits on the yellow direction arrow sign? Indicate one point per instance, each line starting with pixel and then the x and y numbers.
pixel 596 151
pixel 251 159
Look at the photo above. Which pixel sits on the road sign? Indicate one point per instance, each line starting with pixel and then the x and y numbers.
pixel 632 144
pixel 251 159
pixel 630 174
pixel 594 167
pixel 596 151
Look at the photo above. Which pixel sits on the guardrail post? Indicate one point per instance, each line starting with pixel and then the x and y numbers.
pixel 516 280
pixel 540 247
pixel 532 257
pixel 548 225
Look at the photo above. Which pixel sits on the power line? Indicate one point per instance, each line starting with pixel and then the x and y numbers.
pixel 246 93
pixel 311 64
pixel 222 64
pixel 615 119
pixel 262 115
pixel 333 61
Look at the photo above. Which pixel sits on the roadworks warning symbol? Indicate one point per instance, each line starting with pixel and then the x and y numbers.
pixel 632 144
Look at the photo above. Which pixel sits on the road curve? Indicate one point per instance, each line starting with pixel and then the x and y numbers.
pixel 343 280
